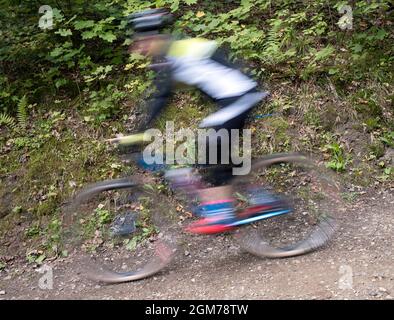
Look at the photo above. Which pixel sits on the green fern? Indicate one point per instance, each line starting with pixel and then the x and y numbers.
pixel 22 115
pixel 273 43
pixel 7 121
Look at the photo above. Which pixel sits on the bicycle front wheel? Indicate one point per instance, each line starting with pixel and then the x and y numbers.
pixel 305 218
pixel 123 229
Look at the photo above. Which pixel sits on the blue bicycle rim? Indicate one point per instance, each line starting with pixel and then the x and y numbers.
pixel 260 217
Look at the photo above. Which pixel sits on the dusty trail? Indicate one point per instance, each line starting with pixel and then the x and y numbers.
pixel 357 264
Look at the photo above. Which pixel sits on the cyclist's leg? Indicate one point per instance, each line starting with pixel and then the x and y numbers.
pixel 217 203
pixel 222 174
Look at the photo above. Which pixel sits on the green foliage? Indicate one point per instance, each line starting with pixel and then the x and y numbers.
pixel 53 234
pixel 7 121
pixel 40 63
pixel 103 216
pixel 145 233
pixel 388 138
pixel 21 116
pixel 33 231
pixel 339 160
pixel 36 256
pixel 376 150
pixel 86 48
pixel 22 113
pixel 99 218
pixel 103 104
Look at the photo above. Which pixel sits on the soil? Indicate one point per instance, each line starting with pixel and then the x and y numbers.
pixel 357 264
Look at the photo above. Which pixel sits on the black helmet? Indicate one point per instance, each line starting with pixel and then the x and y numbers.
pixel 149 21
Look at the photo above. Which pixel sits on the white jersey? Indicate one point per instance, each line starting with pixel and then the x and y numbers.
pixel 192 65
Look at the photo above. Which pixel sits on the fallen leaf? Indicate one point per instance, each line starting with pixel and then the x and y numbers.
pixel 200 14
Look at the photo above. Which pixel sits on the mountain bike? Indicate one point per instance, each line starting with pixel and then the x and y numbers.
pixel 131 227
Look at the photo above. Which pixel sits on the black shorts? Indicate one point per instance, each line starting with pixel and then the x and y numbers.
pixel 221 174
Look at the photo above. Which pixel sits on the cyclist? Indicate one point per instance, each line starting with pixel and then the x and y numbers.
pixel 200 63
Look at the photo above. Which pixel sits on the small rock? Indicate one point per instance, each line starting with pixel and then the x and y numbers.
pixel 389 155
pixel 373 293
pixel 2 292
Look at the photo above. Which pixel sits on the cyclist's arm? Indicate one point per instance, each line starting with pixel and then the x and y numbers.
pixel 160 98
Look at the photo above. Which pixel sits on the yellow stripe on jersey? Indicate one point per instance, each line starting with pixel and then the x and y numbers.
pixel 196 48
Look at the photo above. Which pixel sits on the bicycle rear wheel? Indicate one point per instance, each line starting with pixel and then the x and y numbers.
pixel 123 229
pixel 306 217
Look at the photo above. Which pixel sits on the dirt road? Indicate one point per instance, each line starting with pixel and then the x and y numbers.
pixel 357 264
